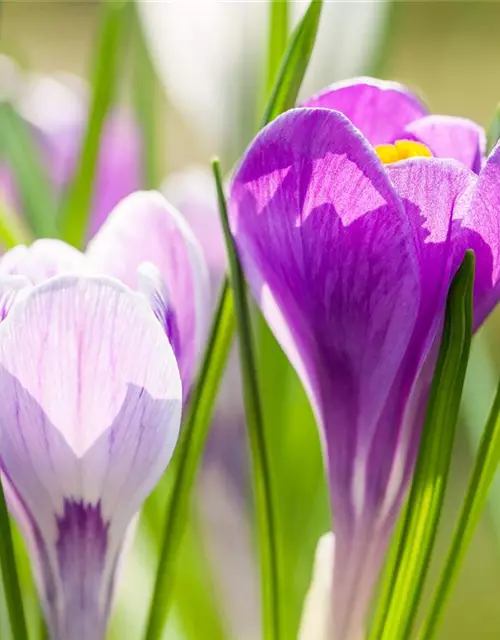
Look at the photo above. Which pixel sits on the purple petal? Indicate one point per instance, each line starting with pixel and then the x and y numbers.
pixel 145 228
pixel 57 110
pixel 477 227
pixel 379 109
pixel 451 137
pixel 332 259
pixel 42 260
pixel 91 401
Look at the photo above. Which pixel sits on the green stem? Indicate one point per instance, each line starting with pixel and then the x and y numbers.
pixel 10 575
pixel 262 476
pixel 74 216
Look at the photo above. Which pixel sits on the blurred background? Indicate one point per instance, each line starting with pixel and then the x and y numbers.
pixel 206 60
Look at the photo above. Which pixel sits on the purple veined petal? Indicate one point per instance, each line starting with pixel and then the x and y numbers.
pixel 477 227
pixel 90 414
pixel 451 137
pixel 152 286
pixel 144 227
pixel 331 255
pixel 11 288
pixel 43 259
pixel 379 109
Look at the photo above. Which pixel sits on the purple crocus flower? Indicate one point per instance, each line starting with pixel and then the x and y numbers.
pixel 56 110
pixel 387 111
pixel 351 261
pixel 92 376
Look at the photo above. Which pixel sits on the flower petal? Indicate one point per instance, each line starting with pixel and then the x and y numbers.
pixel 42 260
pixel 90 413
pixel 477 227
pixel 379 109
pixel 145 228
pixel 451 137
pixel 311 207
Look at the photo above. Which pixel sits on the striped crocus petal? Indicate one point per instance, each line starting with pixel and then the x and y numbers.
pixel 379 109
pixel 90 414
pixel 350 263
pixel 144 227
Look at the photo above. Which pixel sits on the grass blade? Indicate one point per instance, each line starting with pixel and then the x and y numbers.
pixel 10 574
pixel 483 473
pixel 146 94
pixel 12 228
pixel 262 475
pixel 278 38
pixel 75 213
pixel 295 63
pixel 194 433
pixel 17 146
pixel 427 492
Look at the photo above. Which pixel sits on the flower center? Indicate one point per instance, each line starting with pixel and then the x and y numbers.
pixel 401 150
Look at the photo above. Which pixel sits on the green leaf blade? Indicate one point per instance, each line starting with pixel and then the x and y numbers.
pixel 425 502
pixel 278 37
pixel 17 146
pixel 295 63
pixel 75 213
pixel 262 474
pixel 10 574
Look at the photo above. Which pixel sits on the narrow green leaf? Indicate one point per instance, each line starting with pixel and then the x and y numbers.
pixel 10 575
pixel 13 231
pixel 426 498
pixel 483 473
pixel 193 438
pixel 262 474
pixel 196 428
pixel 146 92
pixel 75 213
pixel 18 148
pixel 295 63
pixel 278 38
pixel 493 135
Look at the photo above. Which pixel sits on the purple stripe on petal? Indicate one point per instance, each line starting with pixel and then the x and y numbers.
pixel 81 553
pixel 379 109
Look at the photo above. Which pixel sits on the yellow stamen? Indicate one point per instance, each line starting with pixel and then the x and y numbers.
pixel 401 150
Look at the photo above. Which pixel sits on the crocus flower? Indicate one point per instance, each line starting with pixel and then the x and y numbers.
pixel 56 110
pixel 350 261
pixel 90 379
pixel 385 112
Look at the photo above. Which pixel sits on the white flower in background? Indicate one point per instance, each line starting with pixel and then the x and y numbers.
pixel 210 53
